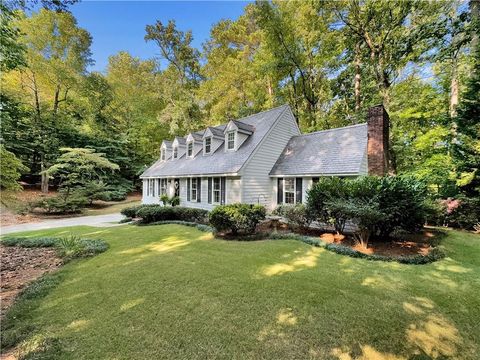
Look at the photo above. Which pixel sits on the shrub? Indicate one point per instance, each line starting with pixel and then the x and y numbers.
pixel 297 216
pixel 164 199
pixel 174 201
pixel 62 205
pixel 68 247
pixel 327 189
pixel 131 212
pixel 400 200
pixel 466 215
pixel 237 218
pixel 154 213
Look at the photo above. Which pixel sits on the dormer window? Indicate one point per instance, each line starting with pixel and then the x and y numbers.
pixel 207 148
pixel 162 154
pixel 231 140
pixel 175 152
pixel 190 149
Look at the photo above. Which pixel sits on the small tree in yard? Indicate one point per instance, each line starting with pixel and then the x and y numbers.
pixel 81 172
pixel 10 170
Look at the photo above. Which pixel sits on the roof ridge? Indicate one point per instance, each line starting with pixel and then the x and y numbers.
pixel 328 130
pixel 261 112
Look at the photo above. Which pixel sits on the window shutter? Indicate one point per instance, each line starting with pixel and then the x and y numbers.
pixel 299 190
pixel 188 189
pixel 199 189
pixel 222 191
pixel 280 191
pixel 209 190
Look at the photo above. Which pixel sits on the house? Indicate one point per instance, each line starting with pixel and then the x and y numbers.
pixel 264 159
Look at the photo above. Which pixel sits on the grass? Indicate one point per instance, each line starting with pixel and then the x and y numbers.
pixel 112 207
pixel 174 292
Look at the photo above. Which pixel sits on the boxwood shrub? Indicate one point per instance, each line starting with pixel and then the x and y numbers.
pixel 237 218
pixel 155 213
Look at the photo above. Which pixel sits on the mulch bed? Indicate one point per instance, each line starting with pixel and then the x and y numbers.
pixel 410 244
pixel 19 267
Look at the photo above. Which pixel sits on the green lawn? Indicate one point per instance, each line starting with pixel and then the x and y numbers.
pixel 173 292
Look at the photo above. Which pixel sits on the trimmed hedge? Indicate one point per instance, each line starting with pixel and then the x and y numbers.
pixel 155 213
pixel 237 218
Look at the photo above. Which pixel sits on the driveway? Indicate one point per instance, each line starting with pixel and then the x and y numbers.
pixel 96 220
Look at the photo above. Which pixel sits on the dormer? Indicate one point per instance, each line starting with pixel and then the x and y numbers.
pixel 178 147
pixel 194 144
pixel 165 150
pixel 236 132
pixel 212 140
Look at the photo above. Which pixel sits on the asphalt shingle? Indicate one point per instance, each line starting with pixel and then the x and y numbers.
pixel 329 152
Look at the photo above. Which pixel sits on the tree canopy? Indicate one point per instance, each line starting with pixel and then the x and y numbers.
pixel 329 60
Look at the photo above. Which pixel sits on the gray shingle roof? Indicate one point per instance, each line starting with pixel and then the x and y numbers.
pixel 329 152
pixel 245 127
pixel 220 162
pixel 217 131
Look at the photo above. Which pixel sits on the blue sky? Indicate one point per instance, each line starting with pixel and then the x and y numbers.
pixel 120 25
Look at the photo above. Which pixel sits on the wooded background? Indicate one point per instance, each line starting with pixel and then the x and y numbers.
pixel 329 60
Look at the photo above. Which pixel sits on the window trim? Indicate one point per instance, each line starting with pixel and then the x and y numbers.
pixel 205 152
pixel 163 181
pixel 219 190
pixel 234 140
pixel 190 143
pixel 294 191
pixel 192 180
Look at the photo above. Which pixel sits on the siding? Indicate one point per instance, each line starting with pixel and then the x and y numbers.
pixel 233 192
pixel 256 183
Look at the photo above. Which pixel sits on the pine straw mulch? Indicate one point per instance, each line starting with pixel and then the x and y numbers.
pixel 408 244
pixel 19 267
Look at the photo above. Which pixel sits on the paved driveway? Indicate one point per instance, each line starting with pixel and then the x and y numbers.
pixel 95 220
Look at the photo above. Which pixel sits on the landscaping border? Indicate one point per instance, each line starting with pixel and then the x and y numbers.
pixel 437 253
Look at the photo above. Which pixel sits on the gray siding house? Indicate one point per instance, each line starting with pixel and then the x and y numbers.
pixel 263 159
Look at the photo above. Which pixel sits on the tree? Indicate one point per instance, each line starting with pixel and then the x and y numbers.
pixel 180 79
pixel 392 34
pixel 11 169
pixel 57 54
pixel 81 172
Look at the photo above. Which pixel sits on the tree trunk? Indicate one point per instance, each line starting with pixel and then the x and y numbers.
pixel 454 90
pixel 358 77
pixel 44 175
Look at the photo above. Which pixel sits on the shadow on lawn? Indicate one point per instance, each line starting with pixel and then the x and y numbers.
pixel 429 335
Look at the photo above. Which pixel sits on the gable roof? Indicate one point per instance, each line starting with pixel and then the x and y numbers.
pixel 329 152
pixel 220 162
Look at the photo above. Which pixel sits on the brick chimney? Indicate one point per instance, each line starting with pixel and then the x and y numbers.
pixel 378 134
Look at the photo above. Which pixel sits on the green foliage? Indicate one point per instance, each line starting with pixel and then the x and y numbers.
pixel 164 199
pixel 11 169
pixel 62 204
pixel 327 189
pixel 97 191
pixel 297 216
pixel 153 213
pixel 174 201
pixel 27 242
pixel 237 218
pixel 466 215
pixel 68 247
pixel 377 205
pixel 131 212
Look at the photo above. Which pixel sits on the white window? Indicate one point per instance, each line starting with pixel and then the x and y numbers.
pixel 231 140
pixel 162 154
pixel 190 149
pixel 216 190
pixel 151 187
pixel 193 190
pixel 163 186
pixel 208 145
pixel 175 152
pixel 289 191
